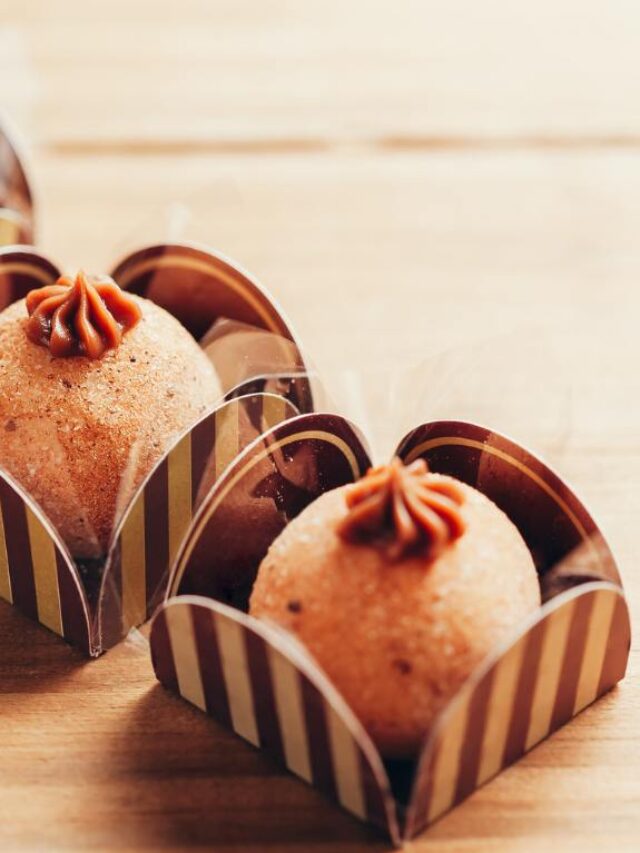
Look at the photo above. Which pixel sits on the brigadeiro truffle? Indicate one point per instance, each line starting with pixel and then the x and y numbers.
pixel 94 383
pixel 399 585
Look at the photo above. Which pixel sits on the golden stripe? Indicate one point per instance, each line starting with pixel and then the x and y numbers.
pixel 346 764
pixel 503 692
pixel 22 268
pixel 524 469
pixel 274 411
pixel 9 228
pixel 447 765
pixel 288 698
pixel 208 268
pixel 133 567
pixel 201 523
pixel 5 577
pixel 235 669
pixel 595 648
pixel 227 436
pixel 185 653
pixel 179 489
pixel 45 574
pixel 554 643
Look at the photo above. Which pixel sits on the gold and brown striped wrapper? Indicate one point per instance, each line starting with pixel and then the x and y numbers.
pixel 266 486
pixel 263 686
pixel 160 515
pixel 36 572
pixel 199 287
pixel 574 651
pixel 39 576
pixel 256 680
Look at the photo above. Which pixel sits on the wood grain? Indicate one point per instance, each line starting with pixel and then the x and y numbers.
pixel 323 72
pixel 445 198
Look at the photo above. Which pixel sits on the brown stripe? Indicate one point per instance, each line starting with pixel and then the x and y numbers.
pixel 24 272
pixel 423 792
pixel 263 697
pixel 161 655
pixel 156 534
pixel 140 284
pixel 616 656
pixel 111 604
pixel 319 748
pixel 248 303
pixel 202 442
pixel 373 796
pixel 5 578
pixel 74 621
pixel 462 463
pixel 18 550
pixel 521 714
pixel 565 697
pixel 213 683
pixel 472 745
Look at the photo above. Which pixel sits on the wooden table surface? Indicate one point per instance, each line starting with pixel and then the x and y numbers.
pixel 446 198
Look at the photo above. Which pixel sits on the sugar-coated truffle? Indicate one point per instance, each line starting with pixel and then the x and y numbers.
pixel 399 586
pixel 81 432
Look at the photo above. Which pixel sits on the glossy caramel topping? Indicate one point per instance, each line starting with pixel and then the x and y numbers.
pixel 403 510
pixel 85 316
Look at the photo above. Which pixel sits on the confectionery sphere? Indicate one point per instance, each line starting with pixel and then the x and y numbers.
pixel 399 634
pixel 80 433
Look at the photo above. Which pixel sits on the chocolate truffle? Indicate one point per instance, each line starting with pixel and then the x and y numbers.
pixel 399 586
pixel 94 383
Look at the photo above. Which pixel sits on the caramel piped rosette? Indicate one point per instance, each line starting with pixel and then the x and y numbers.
pixel 85 316
pixel 399 585
pixel 94 385
pixel 404 509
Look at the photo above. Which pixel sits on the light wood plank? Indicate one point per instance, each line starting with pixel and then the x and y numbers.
pixel 326 72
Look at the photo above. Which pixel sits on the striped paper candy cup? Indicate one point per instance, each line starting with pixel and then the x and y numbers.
pixel 37 572
pixel 265 487
pixel 259 681
pixel 16 198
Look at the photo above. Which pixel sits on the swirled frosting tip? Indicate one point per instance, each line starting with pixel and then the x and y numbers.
pixel 83 316
pixel 404 509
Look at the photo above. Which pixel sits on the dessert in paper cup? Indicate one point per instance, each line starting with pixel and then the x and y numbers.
pixel 395 636
pixel 16 199
pixel 122 400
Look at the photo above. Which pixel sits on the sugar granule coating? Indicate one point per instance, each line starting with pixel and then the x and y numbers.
pixel 397 638
pixel 80 434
